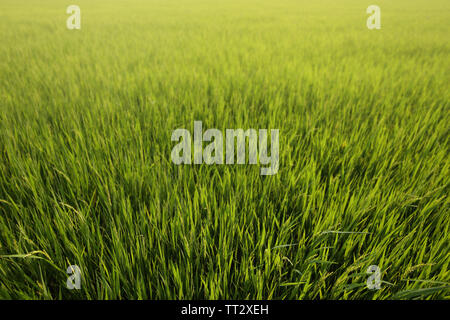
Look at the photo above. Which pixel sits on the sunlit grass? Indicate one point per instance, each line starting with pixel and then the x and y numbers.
pixel 86 177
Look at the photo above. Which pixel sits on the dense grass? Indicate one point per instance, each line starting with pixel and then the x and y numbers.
pixel 86 177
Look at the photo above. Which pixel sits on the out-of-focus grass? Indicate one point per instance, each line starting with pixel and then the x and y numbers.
pixel 86 177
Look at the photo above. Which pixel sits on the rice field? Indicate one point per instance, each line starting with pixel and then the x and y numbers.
pixel 86 176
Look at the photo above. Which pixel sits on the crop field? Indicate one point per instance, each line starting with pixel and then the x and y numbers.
pixel 87 179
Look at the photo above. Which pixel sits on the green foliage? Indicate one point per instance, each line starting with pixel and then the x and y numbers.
pixel 86 178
